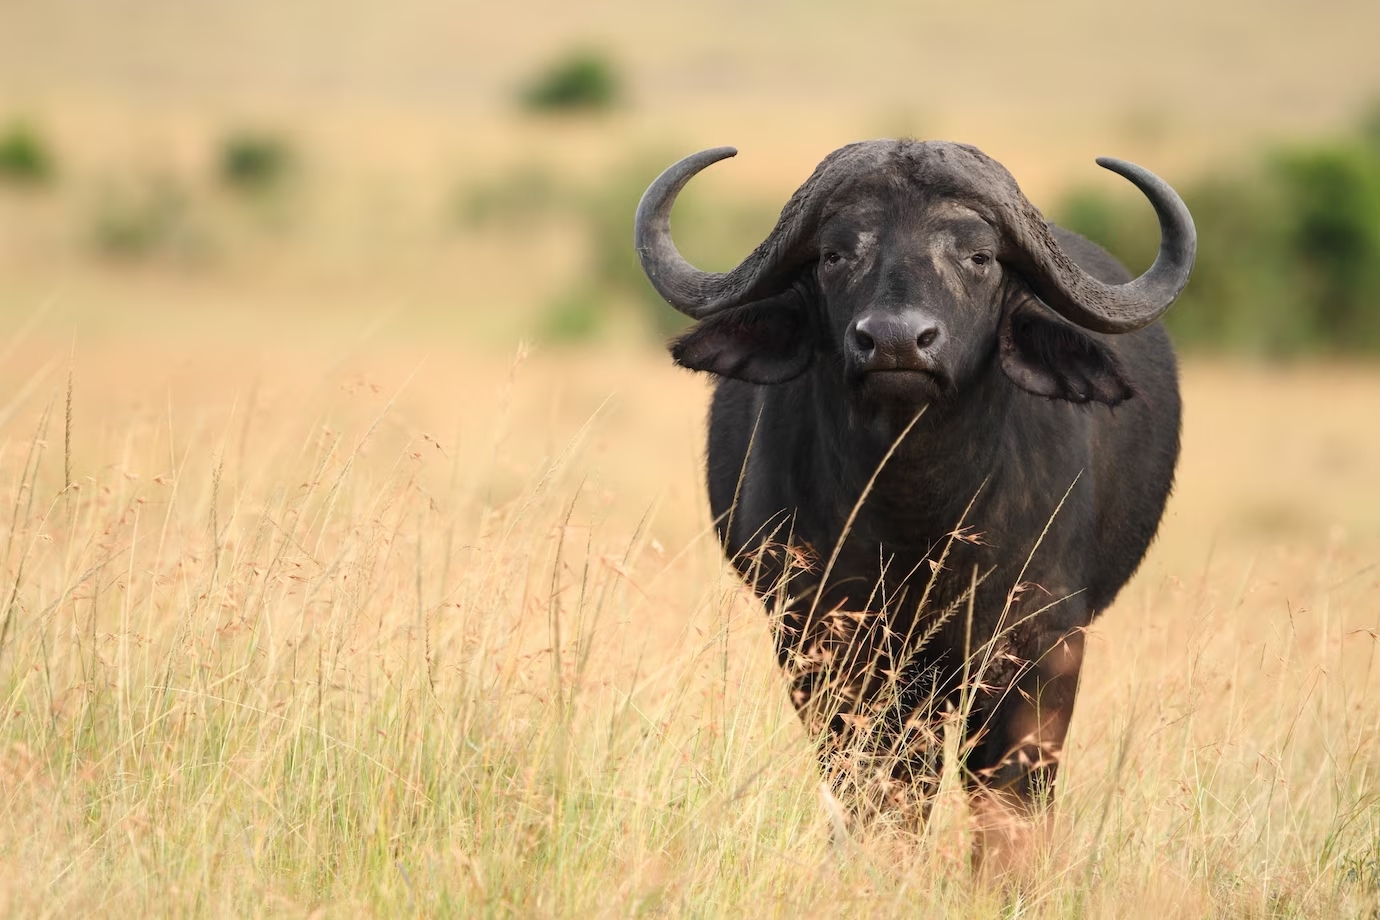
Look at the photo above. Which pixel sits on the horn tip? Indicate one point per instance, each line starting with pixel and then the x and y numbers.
pixel 1128 170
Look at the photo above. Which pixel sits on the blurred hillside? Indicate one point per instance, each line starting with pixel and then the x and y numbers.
pixel 418 185
pixel 1032 77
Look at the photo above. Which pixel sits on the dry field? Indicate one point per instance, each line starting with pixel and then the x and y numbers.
pixel 353 626
pixel 321 598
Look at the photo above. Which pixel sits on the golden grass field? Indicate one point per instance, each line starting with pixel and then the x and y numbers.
pixel 370 627
pixel 322 596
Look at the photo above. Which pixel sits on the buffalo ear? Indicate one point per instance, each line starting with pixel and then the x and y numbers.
pixel 1046 356
pixel 766 342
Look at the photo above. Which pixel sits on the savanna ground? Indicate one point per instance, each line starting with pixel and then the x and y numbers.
pixel 392 628
pixel 321 596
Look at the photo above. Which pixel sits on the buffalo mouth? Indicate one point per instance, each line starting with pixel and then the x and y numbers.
pixel 909 385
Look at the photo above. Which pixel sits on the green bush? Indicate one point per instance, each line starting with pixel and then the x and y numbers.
pixel 145 216
pixel 25 157
pixel 1331 200
pixel 578 315
pixel 254 162
pixel 1288 248
pixel 582 81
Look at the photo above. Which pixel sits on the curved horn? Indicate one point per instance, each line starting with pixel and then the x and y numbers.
pixel 682 285
pixel 1115 308
pixel 699 293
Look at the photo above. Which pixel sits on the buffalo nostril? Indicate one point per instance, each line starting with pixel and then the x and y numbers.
pixel 864 341
pixel 926 338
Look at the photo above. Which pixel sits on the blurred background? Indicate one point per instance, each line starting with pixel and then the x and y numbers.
pixel 472 169
pixel 211 206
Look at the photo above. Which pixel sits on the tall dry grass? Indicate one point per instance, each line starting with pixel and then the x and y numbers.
pixel 290 632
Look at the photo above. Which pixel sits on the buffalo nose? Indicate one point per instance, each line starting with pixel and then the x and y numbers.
pixel 894 342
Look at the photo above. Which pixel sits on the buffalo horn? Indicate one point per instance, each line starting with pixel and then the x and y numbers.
pixel 1114 308
pixel 767 271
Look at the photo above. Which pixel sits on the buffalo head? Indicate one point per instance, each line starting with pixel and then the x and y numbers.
pixel 909 266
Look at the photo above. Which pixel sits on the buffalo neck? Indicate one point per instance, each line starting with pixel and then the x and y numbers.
pixel 935 471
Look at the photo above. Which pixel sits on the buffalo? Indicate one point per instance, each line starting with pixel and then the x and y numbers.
pixel 942 434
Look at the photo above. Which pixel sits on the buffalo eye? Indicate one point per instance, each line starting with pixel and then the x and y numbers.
pixel 831 259
pixel 980 258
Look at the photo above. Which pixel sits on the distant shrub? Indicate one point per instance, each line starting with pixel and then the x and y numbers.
pixel 254 162
pixel 576 316
pixel 1288 248
pixel 25 157
pixel 1331 235
pixel 142 217
pixel 582 81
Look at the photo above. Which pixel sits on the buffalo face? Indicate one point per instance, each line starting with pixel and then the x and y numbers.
pixel 910 293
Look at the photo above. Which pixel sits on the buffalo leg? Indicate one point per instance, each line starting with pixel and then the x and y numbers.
pixel 1020 740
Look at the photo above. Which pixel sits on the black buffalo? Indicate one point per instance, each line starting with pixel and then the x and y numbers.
pixel 941 440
